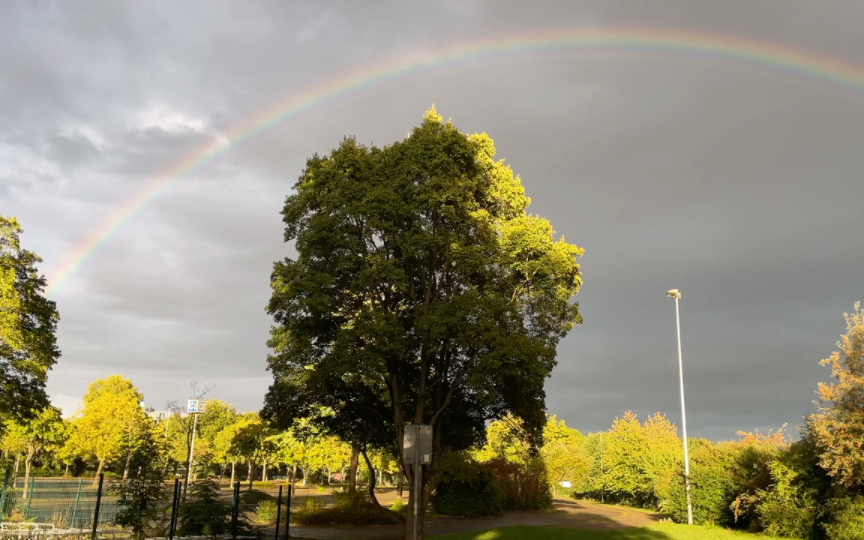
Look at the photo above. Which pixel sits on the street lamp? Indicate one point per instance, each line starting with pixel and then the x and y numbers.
pixel 677 296
pixel 193 407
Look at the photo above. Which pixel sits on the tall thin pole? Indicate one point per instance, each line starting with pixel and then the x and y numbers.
pixel 175 504
pixel 288 512
pixel 191 449
pixel 417 469
pixel 75 508
pixel 98 506
pixel 683 417
pixel 278 512
pixel 3 494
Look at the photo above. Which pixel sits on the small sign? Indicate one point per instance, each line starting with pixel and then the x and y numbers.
pixel 196 406
pixel 417 438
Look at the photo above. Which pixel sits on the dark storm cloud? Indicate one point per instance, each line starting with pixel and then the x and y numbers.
pixel 735 184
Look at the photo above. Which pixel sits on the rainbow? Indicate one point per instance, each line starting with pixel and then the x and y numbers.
pixel 826 70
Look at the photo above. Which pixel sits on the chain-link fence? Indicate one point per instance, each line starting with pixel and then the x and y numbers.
pixel 67 507
pixel 62 502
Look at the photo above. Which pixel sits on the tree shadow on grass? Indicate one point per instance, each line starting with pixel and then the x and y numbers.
pixel 567 521
pixel 539 532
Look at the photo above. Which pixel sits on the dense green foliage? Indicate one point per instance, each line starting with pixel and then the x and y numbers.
pixel 422 292
pixel 811 488
pixel 467 488
pixel 143 500
pixel 205 513
pixel 28 324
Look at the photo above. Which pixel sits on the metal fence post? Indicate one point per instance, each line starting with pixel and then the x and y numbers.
pixel 75 507
pixel 172 524
pixel 236 513
pixel 278 512
pixel 288 512
pixel 29 498
pixel 98 504
pixel 3 494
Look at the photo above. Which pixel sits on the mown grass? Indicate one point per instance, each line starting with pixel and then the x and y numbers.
pixel 662 531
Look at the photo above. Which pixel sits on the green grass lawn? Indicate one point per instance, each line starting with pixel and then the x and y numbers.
pixel 664 531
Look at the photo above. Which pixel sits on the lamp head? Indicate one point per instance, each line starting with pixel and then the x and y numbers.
pixel 673 293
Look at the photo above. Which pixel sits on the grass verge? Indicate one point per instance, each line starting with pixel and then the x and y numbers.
pixel 664 531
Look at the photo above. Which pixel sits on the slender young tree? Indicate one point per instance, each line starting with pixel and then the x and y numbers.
pixel 44 433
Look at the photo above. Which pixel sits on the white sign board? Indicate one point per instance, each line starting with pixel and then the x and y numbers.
pixel 417 441
pixel 196 406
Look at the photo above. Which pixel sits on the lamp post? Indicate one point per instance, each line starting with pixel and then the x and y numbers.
pixel 194 407
pixel 677 296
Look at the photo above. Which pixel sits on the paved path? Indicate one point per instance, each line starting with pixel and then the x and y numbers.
pixel 583 515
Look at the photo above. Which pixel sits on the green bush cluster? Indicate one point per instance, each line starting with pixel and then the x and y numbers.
pixel 759 483
pixel 467 488
pixel 205 513
pixel 266 512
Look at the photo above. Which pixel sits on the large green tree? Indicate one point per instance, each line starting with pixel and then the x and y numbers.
pixel 28 323
pixel 109 423
pixel 422 283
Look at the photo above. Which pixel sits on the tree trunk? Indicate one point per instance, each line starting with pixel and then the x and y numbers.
pixel 325 476
pixel 99 469
pixel 371 480
pixel 233 467
pixel 66 472
pixel 264 472
pixel 15 471
pixel 399 484
pixel 27 462
pixel 293 472
pixel 355 461
pixel 421 511
pixel 251 474
pixel 126 468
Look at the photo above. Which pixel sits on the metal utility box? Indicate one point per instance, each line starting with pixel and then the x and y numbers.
pixel 417 444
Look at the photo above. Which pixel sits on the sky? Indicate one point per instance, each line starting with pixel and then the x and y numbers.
pixel 737 183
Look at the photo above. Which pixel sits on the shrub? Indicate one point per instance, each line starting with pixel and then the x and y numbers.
pixel 313 503
pixel 467 488
pixel 320 489
pixel 266 512
pixel 205 514
pixel 787 509
pixel 712 485
pixel 525 485
pixel 397 505
pixel 848 520
pixel 142 499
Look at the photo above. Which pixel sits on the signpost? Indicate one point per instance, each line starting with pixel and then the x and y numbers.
pixel 417 451
pixel 193 407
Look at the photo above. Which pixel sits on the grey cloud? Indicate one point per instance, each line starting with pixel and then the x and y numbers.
pixel 736 184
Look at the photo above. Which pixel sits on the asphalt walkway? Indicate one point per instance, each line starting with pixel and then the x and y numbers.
pixel 585 515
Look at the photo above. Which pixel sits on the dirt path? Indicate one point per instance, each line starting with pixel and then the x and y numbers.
pixel 583 515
